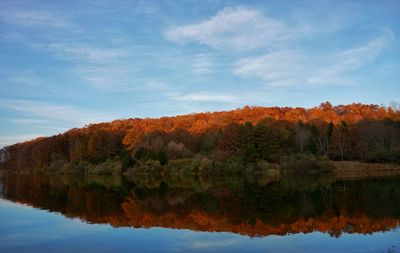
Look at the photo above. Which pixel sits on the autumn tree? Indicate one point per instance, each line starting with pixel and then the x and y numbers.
pixel 344 132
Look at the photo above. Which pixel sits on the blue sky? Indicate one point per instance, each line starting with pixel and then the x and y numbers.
pixel 65 64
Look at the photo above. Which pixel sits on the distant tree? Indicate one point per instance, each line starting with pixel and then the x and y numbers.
pixel 162 157
pixel 337 143
pixel 302 136
pixel 395 106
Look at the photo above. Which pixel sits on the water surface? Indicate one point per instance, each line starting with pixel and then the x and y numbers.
pixel 198 214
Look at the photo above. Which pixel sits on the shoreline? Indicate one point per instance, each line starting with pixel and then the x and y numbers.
pixel 342 170
pixel 359 170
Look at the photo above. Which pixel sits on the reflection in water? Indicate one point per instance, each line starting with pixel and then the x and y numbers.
pixel 248 206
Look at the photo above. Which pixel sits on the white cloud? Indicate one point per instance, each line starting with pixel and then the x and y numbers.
pixel 8 140
pixel 206 97
pixel 277 68
pixel 288 68
pixel 207 244
pixel 54 112
pixel 202 64
pixel 145 7
pixel 85 52
pixel 103 68
pixel 34 18
pixel 105 76
pixel 351 59
pixel 236 28
pixel 25 78
pixel 238 97
pixel 29 121
pixel 243 28
pixel 12 36
pixel 155 86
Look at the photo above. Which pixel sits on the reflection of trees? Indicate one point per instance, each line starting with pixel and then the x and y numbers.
pixel 254 208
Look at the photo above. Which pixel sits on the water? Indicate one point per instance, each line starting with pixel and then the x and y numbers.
pixel 198 214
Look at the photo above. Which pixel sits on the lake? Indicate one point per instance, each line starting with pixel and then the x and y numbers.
pixel 199 214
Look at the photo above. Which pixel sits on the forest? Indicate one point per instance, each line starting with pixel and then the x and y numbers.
pixel 228 140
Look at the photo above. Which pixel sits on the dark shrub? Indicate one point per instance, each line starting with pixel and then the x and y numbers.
pixel 382 155
pixel 306 163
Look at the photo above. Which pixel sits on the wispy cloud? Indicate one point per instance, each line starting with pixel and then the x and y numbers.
pixel 277 68
pixel 25 78
pixel 28 121
pixel 84 52
pixel 101 67
pixel 351 59
pixel 237 98
pixel 145 7
pixel 207 244
pixel 290 67
pixel 12 36
pixel 237 28
pixel 244 28
pixel 207 97
pixel 35 18
pixel 53 112
pixel 156 86
pixel 8 140
pixel 202 64
pixel 106 76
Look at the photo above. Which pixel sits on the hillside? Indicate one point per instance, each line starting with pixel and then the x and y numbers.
pixel 233 138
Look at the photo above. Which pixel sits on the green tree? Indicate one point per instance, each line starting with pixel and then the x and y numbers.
pixel 162 157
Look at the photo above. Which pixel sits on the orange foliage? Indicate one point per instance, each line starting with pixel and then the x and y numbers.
pixel 201 122
pixel 105 140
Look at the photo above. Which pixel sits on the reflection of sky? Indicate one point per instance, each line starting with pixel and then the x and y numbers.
pixel 25 229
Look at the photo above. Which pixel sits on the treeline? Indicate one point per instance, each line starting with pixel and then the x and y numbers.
pixel 344 132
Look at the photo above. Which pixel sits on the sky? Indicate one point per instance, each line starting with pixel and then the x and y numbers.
pixel 66 64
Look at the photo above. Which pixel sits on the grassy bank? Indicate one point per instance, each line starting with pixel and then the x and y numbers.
pixel 294 165
pixel 357 170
